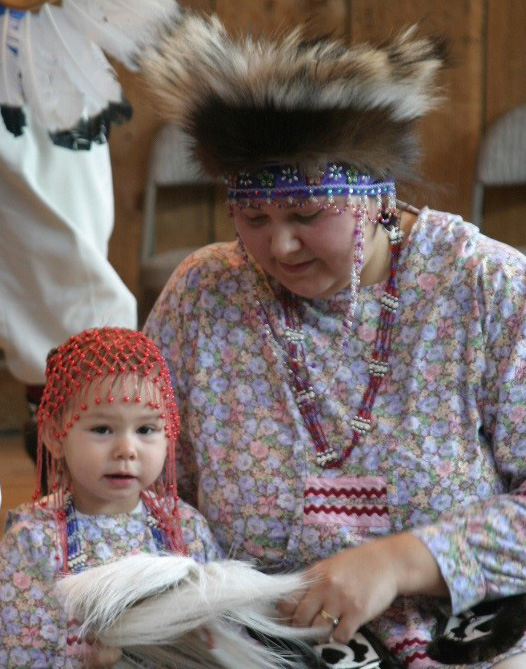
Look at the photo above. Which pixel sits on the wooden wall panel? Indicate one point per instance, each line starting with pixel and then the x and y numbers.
pixel 449 134
pixel 505 85
pixel 269 16
pixel 505 57
pixel 129 146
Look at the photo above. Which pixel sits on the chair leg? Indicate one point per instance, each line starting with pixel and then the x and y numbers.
pixel 478 203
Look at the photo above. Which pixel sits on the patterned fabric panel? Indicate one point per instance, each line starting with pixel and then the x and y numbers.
pixel 358 501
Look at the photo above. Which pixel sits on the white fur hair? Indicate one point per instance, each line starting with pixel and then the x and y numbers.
pixel 156 608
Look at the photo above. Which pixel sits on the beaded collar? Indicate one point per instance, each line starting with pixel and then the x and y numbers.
pixel 75 560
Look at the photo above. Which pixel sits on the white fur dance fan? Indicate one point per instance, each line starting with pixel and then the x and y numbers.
pixel 52 63
pixel 157 607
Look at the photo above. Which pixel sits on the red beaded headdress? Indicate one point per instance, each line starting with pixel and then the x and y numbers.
pixel 108 362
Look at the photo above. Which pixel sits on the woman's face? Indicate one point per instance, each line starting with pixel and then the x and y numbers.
pixel 307 249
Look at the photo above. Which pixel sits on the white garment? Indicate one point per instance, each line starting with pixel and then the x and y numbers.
pixel 515 662
pixel 56 218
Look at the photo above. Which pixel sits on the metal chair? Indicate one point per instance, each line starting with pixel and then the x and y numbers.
pixel 501 159
pixel 170 164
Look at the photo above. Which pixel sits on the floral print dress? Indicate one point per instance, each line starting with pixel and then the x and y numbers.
pixel 446 455
pixel 34 631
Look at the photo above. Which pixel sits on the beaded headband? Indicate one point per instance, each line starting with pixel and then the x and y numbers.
pixel 102 365
pixel 287 183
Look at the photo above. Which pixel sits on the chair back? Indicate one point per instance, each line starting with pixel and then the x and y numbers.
pixel 170 164
pixel 502 157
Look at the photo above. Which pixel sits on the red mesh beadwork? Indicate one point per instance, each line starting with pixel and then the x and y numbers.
pixel 108 362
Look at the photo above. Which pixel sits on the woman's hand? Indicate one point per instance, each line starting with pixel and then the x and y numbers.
pixel 358 584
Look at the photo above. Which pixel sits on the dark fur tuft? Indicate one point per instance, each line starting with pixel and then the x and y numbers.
pixel 504 630
pixel 307 138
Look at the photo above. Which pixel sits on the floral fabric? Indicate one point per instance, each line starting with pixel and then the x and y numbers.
pixel 446 453
pixel 34 632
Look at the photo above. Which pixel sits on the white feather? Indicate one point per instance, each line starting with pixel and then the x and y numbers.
pixel 84 63
pixel 60 71
pixel 36 65
pixel 10 87
pixel 120 27
pixel 153 606
pixel 64 76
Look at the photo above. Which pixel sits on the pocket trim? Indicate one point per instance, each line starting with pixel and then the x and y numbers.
pixel 355 501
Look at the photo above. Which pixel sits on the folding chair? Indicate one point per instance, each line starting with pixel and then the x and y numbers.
pixel 501 158
pixel 170 164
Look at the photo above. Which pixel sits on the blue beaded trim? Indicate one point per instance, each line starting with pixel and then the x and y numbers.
pixel 16 13
pixel 277 181
pixel 76 558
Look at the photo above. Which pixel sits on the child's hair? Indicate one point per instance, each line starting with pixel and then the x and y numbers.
pixel 110 364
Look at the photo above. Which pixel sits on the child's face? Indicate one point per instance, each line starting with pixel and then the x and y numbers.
pixel 112 452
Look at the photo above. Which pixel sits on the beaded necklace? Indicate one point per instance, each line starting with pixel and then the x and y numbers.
pixel 75 558
pixel 75 561
pixel 293 355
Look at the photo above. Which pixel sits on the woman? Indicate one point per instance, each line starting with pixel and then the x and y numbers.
pixel 350 373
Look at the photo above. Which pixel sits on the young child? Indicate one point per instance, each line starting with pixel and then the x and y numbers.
pixel 107 426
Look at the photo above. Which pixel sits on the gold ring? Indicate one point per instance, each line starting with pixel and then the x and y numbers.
pixel 330 619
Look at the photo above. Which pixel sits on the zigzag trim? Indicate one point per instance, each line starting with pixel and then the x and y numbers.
pixel 415 641
pixel 342 492
pixel 349 511
pixel 415 656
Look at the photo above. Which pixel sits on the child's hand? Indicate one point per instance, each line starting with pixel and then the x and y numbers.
pixel 100 657
pixel 208 637
pixel 89 651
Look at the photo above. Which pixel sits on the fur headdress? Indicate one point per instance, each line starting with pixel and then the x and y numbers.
pixel 250 102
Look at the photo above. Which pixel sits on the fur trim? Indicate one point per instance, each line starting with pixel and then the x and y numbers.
pixel 154 606
pixel 248 102
pixel 481 633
